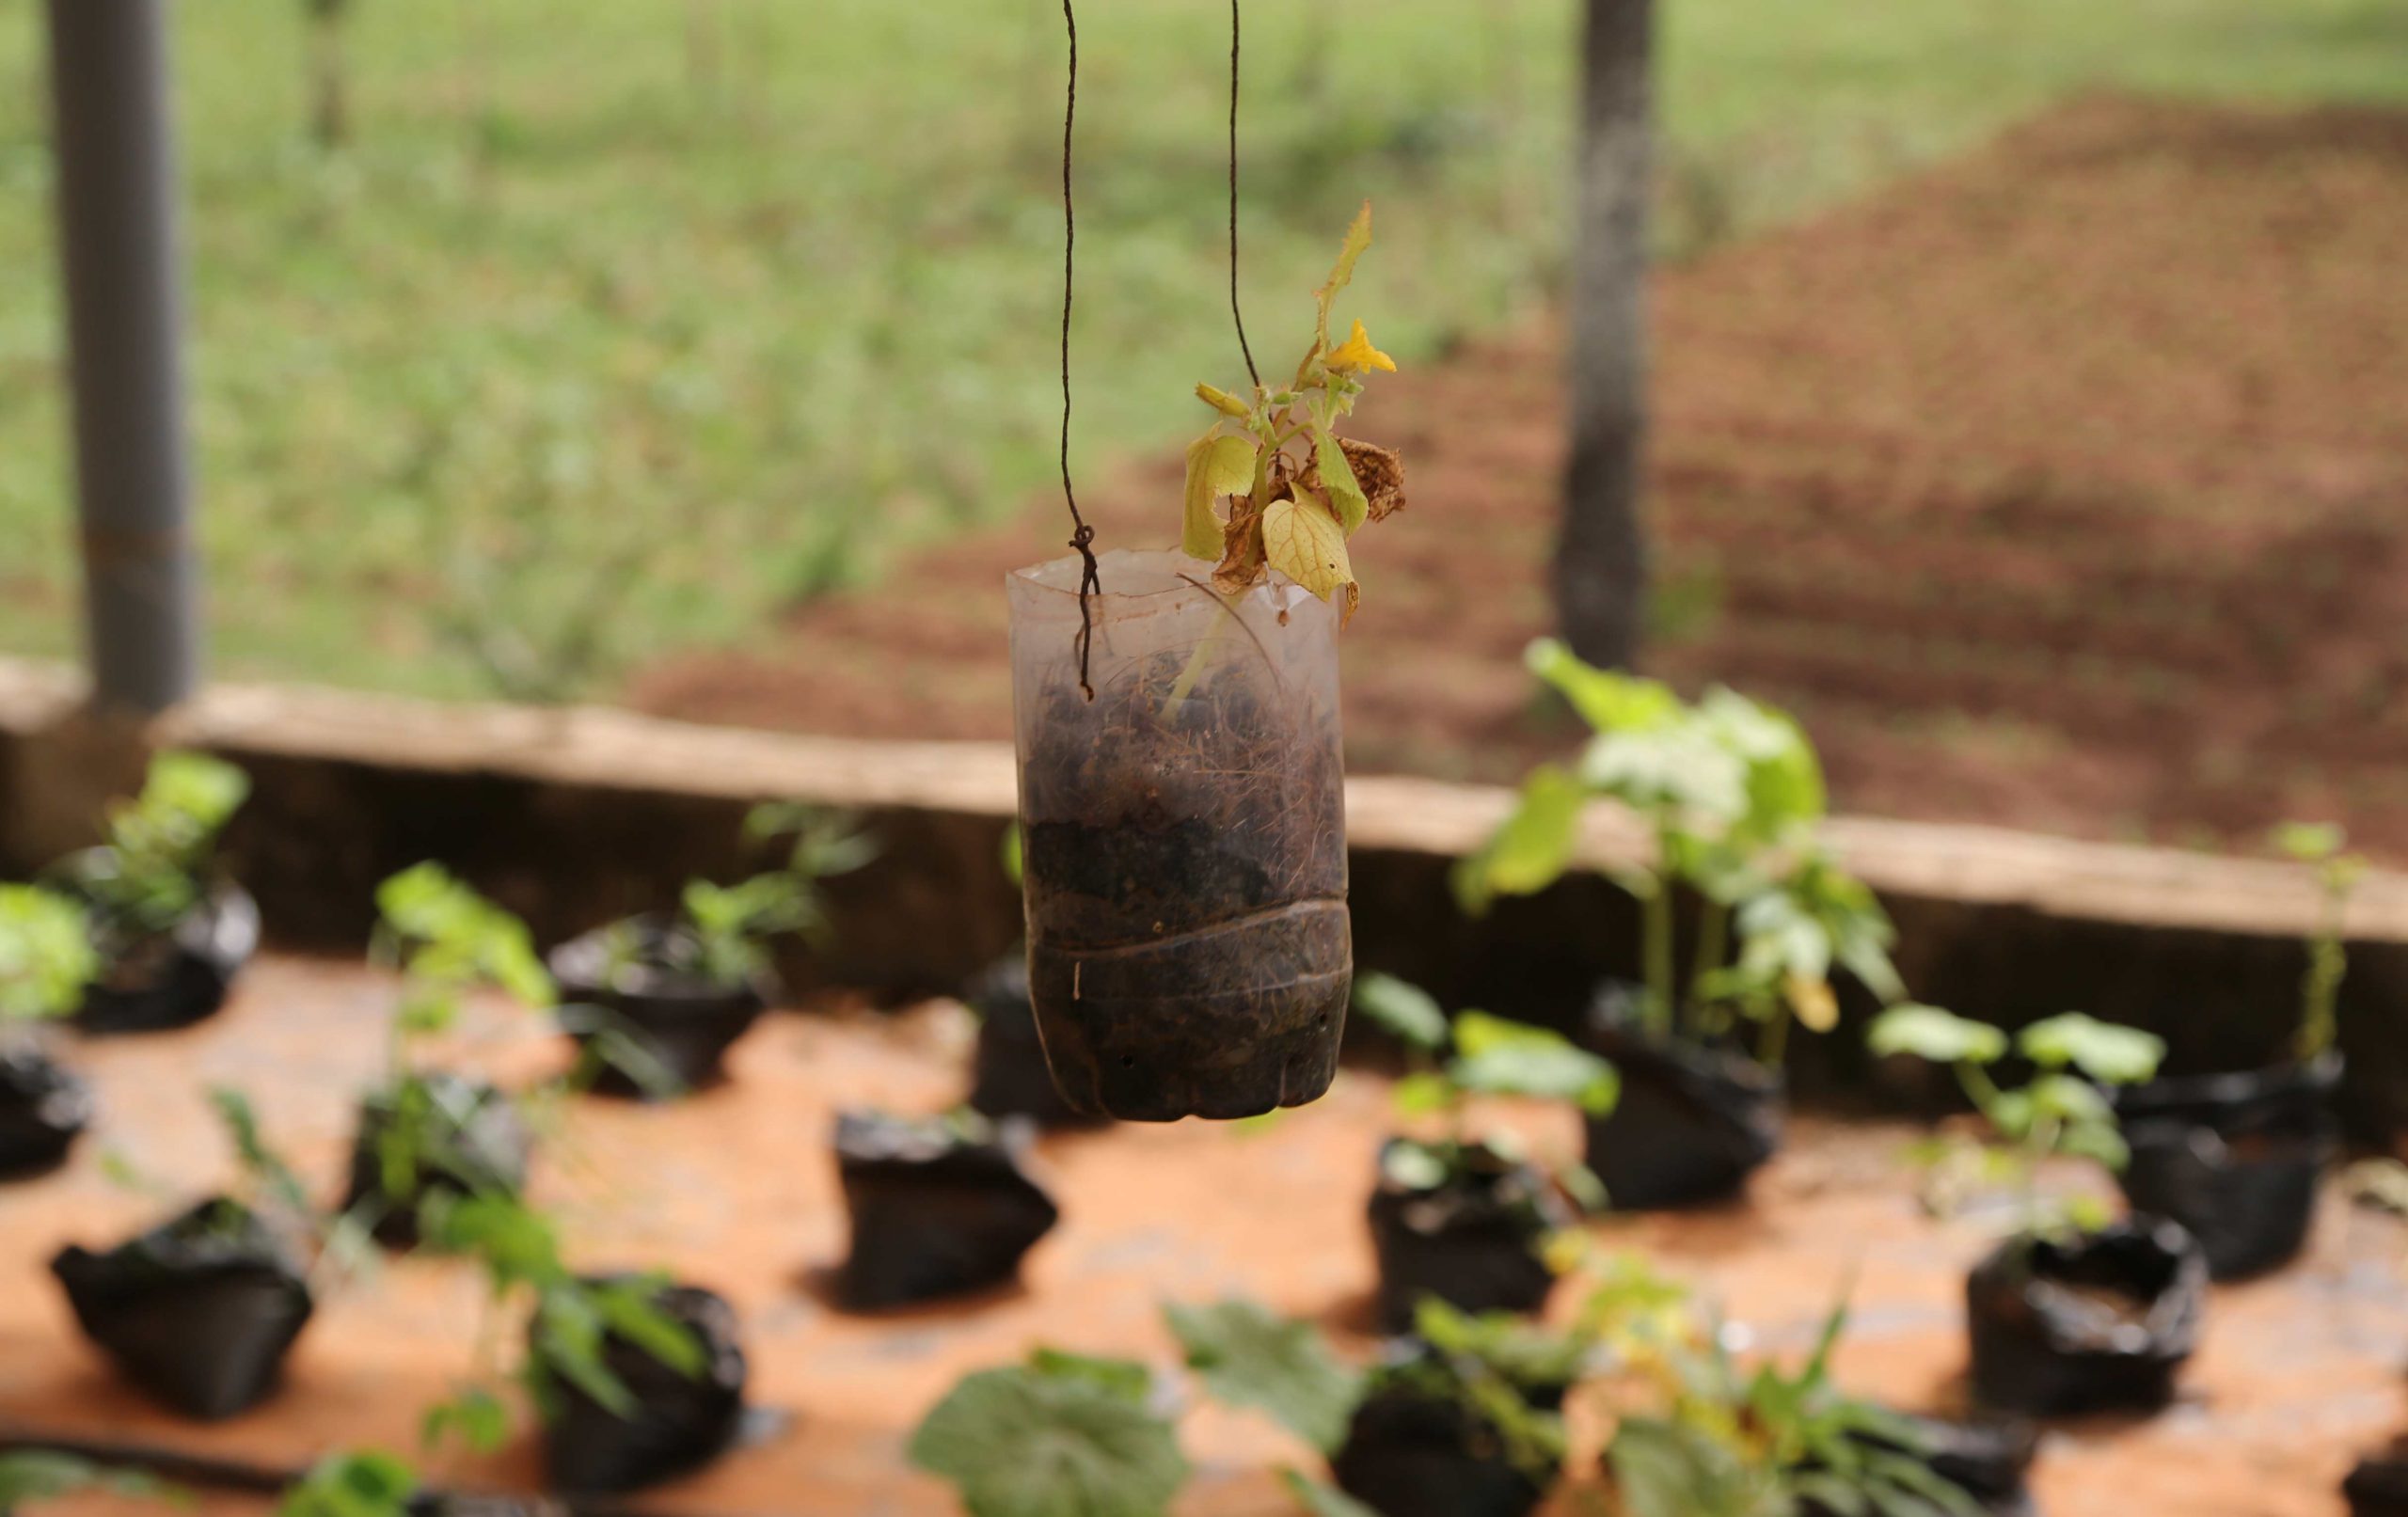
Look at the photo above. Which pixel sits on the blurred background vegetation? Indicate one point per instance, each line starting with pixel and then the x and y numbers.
pixel 611 327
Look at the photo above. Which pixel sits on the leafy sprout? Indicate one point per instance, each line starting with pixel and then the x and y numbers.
pixel 571 1320
pixel 724 931
pixel 2319 844
pixel 1295 491
pixel 1731 793
pixel 448 940
pixel 1477 1054
pixel 46 955
pixel 153 864
pixel 1059 1436
pixel 2060 1111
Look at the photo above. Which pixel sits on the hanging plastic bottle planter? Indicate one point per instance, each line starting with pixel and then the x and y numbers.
pixel 1181 782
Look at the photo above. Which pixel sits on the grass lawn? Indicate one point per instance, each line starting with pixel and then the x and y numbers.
pixel 623 322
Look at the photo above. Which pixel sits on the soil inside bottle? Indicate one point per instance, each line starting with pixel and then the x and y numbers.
pixel 1189 947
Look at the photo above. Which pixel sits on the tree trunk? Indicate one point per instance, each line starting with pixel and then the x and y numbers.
pixel 1601 554
pixel 329 86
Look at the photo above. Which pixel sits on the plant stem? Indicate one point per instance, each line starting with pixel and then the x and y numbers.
pixel 1713 942
pixel 1775 1046
pixel 1656 940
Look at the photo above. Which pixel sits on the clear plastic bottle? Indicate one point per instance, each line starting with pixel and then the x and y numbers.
pixel 1188 943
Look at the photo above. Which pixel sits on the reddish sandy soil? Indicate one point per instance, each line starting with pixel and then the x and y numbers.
pixel 2065 486
pixel 736 1189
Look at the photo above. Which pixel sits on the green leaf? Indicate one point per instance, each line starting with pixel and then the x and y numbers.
pixel 476 1415
pixel 1249 1356
pixel 1670 1469
pixel 1500 1057
pixel 1125 1378
pixel 267 1168
pixel 1938 1036
pixel 1405 1012
pixel 630 1311
pixel 1606 701
pixel 1533 847
pixel 363 1483
pixel 1217 464
pixel 1318 1499
pixel 2310 842
pixel 2104 1051
pixel 1413 1167
pixel 1338 479
pixel 46 954
pixel 1016 1442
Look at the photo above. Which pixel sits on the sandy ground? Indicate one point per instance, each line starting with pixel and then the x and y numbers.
pixel 736 1189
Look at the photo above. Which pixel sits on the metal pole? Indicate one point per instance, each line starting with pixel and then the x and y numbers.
pixel 118 246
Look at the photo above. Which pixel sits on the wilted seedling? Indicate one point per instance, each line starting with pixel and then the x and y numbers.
pixel 2061 1111
pixel 1731 792
pixel 1296 490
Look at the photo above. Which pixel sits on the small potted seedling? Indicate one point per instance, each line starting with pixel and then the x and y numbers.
pixel 2071 1313
pixel 941 1207
pixel 681 989
pixel 172 931
pixel 1698 1432
pixel 1731 793
pixel 635 1378
pixel 200 1311
pixel 1465 1219
pixel 46 959
pixel 1008 1076
pixel 2236 1157
pixel 1075 1434
pixel 426 1130
pixel 1181 783
pixel 1465 1418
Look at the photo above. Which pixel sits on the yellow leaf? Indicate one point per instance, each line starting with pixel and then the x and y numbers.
pixel 1303 540
pixel 1223 401
pixel 1817 1008
pixel 1338 479
pixel 1358 237
pixel 1217 466
pixel 1356 353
